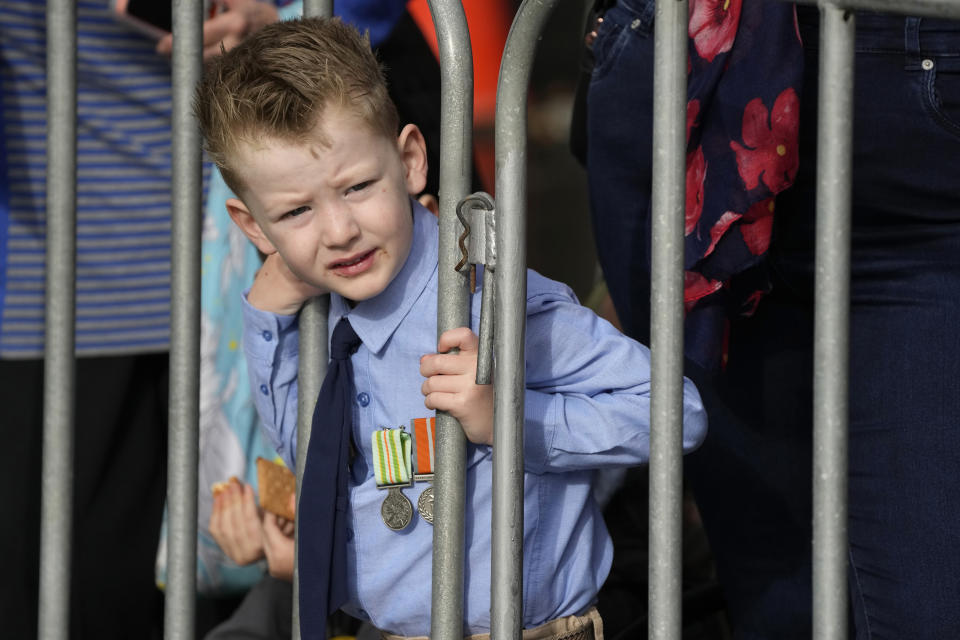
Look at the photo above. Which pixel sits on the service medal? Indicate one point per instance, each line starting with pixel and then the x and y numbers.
pixel 392 470
pixel 425 504
pixel 396 510
pixel 424 431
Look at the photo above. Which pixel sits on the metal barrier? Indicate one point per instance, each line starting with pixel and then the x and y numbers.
pixel 832 316
pixel 666 319
pixel 506 606
pixel 313 354
pixel 832 324
pixel 59 374
pixel 832 300
pixel 453 310
pixel 184 428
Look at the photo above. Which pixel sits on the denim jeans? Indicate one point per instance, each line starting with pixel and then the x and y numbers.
pixel 753 476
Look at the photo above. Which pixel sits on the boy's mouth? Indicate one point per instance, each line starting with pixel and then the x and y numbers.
pixel 353 265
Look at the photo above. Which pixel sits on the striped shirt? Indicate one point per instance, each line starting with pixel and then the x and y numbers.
pixel 123 184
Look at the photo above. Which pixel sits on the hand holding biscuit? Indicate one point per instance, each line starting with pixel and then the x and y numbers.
pixel 278 543
pixel 235 522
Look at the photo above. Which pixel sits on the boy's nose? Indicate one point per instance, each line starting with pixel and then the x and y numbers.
pixel 340 227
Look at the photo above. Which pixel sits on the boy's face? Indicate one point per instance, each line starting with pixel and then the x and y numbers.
pixel 338 214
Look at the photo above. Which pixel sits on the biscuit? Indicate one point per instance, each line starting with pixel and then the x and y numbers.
pixel 219 487
pixel 276 484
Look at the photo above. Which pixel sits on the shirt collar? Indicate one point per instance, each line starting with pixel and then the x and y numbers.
pixel 376 319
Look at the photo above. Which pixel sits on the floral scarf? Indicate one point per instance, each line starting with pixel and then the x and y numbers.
pixel 745 68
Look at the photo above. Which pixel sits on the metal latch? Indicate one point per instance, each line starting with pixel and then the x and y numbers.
pixel 478 245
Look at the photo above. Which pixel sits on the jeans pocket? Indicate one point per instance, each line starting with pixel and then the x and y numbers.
pixel 941 93
pixel 620 24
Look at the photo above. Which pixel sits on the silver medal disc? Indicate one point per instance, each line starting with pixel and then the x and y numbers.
pixel 425 504
pixel 396 510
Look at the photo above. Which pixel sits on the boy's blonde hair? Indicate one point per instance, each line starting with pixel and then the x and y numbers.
pixel 278 82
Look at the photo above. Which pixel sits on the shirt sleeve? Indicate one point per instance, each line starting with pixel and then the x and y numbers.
pixel 587 402
pixel 270 344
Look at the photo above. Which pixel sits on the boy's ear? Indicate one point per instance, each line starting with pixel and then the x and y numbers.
pixel 413 152
pixel 242 217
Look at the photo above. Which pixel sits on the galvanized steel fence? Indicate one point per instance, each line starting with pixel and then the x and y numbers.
pixel 60 313
pixel 831 319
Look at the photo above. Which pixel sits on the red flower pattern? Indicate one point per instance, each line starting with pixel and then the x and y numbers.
pixel 696 174
pixel 696 286
pixel 720 228
pixel 750 304
pixel 771 153
pixel 713 26
pixel 693 110
pixel 756 226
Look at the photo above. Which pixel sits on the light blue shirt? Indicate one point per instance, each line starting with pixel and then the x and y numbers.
pixel 587 406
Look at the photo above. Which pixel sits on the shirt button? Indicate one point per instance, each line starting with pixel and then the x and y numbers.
pixel 264 390
pixel 267 336
pixel 363 398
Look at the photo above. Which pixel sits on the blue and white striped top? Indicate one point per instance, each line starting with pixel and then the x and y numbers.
pixel 123 190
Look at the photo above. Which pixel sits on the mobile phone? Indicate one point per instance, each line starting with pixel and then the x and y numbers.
pixel 150 17
pixel 153 17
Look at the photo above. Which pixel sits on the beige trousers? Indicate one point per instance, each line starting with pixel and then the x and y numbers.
pixel 589 626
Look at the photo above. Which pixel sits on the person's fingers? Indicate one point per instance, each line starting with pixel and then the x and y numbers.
pixel 249 503
pixel 448 364
pixel 271 525
pixel 221 26
pixel 461 337
pixel 227 27
pixel 448 383
pixel 450 402
pixel 219 46
pixel 216 515
pixel 278 548
pixel 165 45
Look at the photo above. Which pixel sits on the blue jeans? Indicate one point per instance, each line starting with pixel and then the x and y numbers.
pixel 752 478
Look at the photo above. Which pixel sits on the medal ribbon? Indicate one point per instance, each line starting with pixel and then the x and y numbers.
pixel 424 430
pixel 391 456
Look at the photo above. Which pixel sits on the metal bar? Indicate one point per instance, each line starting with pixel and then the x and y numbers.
pixel 318 8
pixel 506 609
pixel 59 363
pixel 930 8
pixel 832 323
pixel 666 319
pixel 184 428
pixel 313 354
pixel 485 354
pixel 453 310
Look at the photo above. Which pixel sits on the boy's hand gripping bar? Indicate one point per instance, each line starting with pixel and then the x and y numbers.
pixel 478 245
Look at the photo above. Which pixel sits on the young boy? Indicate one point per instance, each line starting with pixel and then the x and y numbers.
pixel 299 122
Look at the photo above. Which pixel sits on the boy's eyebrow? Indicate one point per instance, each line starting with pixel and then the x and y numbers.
pixel 353 170
pixel 281 203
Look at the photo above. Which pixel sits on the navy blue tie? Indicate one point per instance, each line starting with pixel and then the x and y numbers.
pixel 323 501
